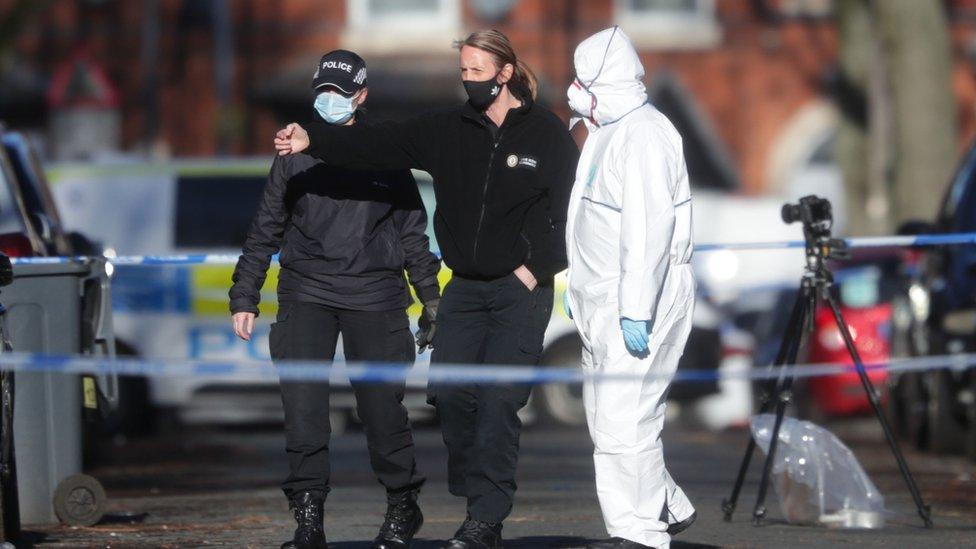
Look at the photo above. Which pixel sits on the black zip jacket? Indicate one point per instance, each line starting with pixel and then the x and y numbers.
pixel 502 193
pixel 345 238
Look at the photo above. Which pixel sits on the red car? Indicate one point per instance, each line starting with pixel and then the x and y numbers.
pixel 843 394
pixel 866 285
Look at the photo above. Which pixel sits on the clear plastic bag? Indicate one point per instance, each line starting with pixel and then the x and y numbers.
pixel 817 478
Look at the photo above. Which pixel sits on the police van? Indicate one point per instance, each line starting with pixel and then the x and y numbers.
pixel 180 311
pixel 206 206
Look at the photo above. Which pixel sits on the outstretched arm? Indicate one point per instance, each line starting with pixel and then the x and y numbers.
pixel 384 146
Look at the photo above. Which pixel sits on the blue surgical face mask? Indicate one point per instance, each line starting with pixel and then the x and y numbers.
pixel 335 108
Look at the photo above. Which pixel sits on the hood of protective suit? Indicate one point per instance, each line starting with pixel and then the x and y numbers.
pixel 609 66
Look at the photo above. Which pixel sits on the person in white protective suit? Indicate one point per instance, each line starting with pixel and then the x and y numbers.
pixel 631 287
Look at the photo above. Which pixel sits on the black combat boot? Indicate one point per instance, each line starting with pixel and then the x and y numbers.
pixel 474 534
pixel 403 521
pixel 310 533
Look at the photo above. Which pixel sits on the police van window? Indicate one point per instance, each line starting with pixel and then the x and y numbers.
pixel 215 211
pixel 11 220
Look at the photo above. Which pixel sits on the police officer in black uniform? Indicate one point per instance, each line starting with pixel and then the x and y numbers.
pixel 345 238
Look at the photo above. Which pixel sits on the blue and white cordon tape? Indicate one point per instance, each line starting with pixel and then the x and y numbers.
pixel 852 243
pixel 910 241
pixel 140 260
pixel 459 373
pixel 367 372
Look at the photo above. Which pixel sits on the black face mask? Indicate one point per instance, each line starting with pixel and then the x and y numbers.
pixel 482 94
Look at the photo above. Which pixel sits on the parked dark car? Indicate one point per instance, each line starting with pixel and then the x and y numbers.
pixel 41 213
pixel 30 226
pixel 18 235
pixel 936 315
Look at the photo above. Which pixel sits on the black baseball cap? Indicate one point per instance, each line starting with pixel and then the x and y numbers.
pixel 340 68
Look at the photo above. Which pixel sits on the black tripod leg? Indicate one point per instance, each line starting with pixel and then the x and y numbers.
pixel 772 387
pixel 808 301
pixel 923 510
pixel 759 512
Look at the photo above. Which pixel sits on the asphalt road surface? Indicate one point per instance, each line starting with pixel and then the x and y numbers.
pixel 218 488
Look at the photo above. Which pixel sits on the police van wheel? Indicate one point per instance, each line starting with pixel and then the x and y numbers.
pixel 79 500
pixel 133 417
pixel 560 403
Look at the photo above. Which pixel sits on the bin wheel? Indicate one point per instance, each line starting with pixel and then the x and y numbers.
pixel 79 500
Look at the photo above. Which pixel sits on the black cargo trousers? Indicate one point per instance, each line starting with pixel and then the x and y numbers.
pixel 306 331
pixel 486 322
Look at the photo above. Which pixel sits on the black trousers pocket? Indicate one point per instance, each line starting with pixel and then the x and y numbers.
pixel 399 342
pixel 277 335
pixel 538 310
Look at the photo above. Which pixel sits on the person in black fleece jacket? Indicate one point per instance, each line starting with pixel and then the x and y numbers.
pixel 503 168
pixel 345 238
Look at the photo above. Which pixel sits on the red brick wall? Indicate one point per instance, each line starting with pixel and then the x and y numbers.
pixel 749 86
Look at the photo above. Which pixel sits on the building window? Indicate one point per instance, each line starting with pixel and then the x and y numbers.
pixel 669 24
pixel 817 9
pixel 681 7
pixel 403 13
pixel 398 25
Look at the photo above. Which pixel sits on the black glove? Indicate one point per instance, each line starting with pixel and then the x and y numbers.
pixel 428 325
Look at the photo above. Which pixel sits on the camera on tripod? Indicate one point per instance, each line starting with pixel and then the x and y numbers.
pixel 813 212
pixel 817 217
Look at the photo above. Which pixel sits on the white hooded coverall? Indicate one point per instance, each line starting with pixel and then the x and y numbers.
pixel 629 244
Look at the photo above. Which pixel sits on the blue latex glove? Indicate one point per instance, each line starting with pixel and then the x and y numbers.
pixel 566 308
pixel 635 335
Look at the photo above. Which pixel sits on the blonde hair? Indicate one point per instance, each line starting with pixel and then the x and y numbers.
pixel 523 82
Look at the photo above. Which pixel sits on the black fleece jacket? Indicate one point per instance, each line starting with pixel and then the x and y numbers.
pixel 502 193
pixel 345 239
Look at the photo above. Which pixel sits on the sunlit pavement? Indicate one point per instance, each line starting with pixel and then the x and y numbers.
pixel 218 488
